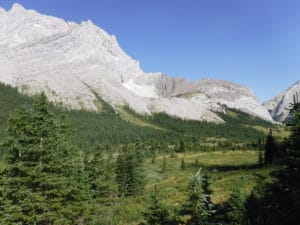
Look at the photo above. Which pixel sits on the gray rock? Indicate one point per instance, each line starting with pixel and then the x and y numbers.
pixel 279 106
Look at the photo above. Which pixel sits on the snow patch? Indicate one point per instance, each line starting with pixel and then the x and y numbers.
pixel 147 91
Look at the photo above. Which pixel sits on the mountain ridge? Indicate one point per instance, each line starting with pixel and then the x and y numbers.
pixel 71 62
pixel 279 105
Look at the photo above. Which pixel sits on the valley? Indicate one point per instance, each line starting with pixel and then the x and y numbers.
pixel 89 138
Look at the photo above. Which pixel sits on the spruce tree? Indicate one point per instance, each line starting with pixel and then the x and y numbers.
pixel 157 212
pixel 42 183
pixel 98 177
pixel 235 208
pixel 198 202
pixel 270 148
pixel 130 171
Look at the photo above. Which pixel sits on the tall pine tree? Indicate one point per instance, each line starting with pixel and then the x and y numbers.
pixel 198 203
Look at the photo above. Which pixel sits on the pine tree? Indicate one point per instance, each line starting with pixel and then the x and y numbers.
pixel 270 148
pixel 157 212
pixel 42 183
pixel 235 208
pixel 130 171
pixel 198 202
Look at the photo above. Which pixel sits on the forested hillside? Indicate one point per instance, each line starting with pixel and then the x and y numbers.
pixel 110 129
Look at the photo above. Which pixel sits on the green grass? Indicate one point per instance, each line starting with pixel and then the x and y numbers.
pixel 234 167
pixel 134 120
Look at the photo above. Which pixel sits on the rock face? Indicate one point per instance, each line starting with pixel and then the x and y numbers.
pixel 77 63
pixel 278 106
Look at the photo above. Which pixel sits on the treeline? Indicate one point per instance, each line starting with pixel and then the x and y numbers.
pixel 88 129
pixel 236 129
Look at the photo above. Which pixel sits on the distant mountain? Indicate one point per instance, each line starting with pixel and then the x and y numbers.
pixel 278 106
pixel 77 64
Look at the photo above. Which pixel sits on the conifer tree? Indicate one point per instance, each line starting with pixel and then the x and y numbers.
pixel 130 171
pixel 157 212
pixel 278 203
pixel 98 177
pixel 235 208
pixel 42 183
pixel 260 153
pixel 270 148
pixel 198 202
pixel 295 125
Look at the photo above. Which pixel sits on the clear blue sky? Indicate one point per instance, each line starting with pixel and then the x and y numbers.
pixel 250 42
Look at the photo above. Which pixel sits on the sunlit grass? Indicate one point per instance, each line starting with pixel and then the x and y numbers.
pixel 225 169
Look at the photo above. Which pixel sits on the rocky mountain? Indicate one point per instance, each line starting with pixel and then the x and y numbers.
pixel 278 106
pixel 76 64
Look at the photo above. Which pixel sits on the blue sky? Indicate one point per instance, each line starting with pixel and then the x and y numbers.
pixel 250 42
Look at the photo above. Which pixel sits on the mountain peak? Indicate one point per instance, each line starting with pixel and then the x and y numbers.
pixel 17 7
pixel 75 63
pixel 2 10
pixel 88 23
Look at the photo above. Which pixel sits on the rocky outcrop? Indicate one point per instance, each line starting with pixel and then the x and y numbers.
pixel 279 106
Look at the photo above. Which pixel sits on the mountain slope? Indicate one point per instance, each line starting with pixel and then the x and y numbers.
pixel 278 106
pixel 75 63
pixel 111 129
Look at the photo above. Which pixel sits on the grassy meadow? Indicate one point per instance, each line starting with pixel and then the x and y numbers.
pixel 224 168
